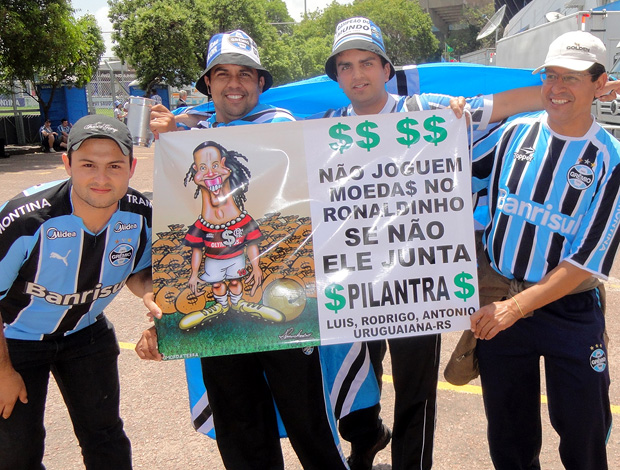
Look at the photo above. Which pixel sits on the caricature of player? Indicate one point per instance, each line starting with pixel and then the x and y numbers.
pixel 226 234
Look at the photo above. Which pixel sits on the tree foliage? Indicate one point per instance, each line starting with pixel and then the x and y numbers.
pixel 164 41
pixel 407 29
pixel 43 43
pixel 463 40
pixel 289 52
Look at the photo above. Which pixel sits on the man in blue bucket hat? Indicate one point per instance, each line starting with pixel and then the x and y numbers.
pixel 241 389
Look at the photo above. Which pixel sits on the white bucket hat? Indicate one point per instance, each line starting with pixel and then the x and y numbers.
pixel 356 33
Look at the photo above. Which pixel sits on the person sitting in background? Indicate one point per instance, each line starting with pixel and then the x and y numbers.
pixel 63 129
pixel 50 140
pixel 155 97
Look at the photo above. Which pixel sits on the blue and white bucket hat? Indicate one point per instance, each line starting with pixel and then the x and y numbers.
pixel 356 33
pixel 237 48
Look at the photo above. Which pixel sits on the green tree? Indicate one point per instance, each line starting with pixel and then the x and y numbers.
pixel 464 40
pixel 165 42
pixel 313 38
pixel 407 29
pixel 278 16
pixel 43 43
pixel 277 12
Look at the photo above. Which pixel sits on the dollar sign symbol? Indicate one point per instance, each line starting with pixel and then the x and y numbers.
pixel 228 238
pixel 344 141
pixel 170 297
pixel 371 139
pixel 338 301
pixel 411 189
pixel 439 133
pixel 405 126
pixel 460 280
pixel 192 299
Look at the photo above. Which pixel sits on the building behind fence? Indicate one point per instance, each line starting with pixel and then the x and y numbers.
pixel 20 116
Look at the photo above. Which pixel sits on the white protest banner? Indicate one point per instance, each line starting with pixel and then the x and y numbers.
pixel 391 207
pixel 315 232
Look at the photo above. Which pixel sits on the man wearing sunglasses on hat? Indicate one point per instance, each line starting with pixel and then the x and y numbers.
pixel 361 66
pixel 243 388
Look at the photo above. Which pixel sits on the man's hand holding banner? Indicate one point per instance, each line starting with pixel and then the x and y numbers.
pixel 313 232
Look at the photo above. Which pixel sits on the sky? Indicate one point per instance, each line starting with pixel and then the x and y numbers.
pixel 99 8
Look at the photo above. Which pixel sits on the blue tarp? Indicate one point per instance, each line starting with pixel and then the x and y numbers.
pixel 609 7
pixel 318 94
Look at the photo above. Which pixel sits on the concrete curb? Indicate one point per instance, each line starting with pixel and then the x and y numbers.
pixel 11 150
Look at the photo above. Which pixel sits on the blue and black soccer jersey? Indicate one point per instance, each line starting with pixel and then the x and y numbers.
pixel 56 277
pixel 262 113
pixel 551 197
pixel 480 107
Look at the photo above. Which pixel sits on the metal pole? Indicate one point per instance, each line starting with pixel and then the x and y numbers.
pixel 89 94
pixel 19 123
pixel 112 87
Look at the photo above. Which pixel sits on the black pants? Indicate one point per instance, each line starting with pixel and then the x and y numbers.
pixel 242 390
pixel 415 369
pixel 84 365
pixel 568 334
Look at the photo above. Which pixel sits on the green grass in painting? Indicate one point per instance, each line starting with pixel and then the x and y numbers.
pixel 236 333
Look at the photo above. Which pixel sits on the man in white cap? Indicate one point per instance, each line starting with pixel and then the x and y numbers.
pixel 66 249
pixel 242 389
pixel 553 182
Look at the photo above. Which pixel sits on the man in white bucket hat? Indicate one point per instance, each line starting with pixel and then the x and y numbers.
pixel 242 389
pixel 361 66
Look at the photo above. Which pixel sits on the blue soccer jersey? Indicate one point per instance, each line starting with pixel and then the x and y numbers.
pixel 261 114
pixel 56 277
pixel 551 198
pixel 479 106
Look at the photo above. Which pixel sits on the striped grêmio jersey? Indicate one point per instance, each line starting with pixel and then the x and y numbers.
pixel 480 107
pixel 262 113
pixel 55 276
pixel 551 197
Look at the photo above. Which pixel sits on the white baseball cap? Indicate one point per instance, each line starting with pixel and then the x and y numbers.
pixel 576 50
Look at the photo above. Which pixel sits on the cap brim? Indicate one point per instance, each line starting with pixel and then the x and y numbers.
pixel 570 64
pixel 234 59
pixel 361 44
pixel 126 150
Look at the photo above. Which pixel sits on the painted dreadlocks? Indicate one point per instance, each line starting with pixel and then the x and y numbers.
pixel 239 174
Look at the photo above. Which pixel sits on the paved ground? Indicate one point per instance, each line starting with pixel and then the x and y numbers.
pixel 154 397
